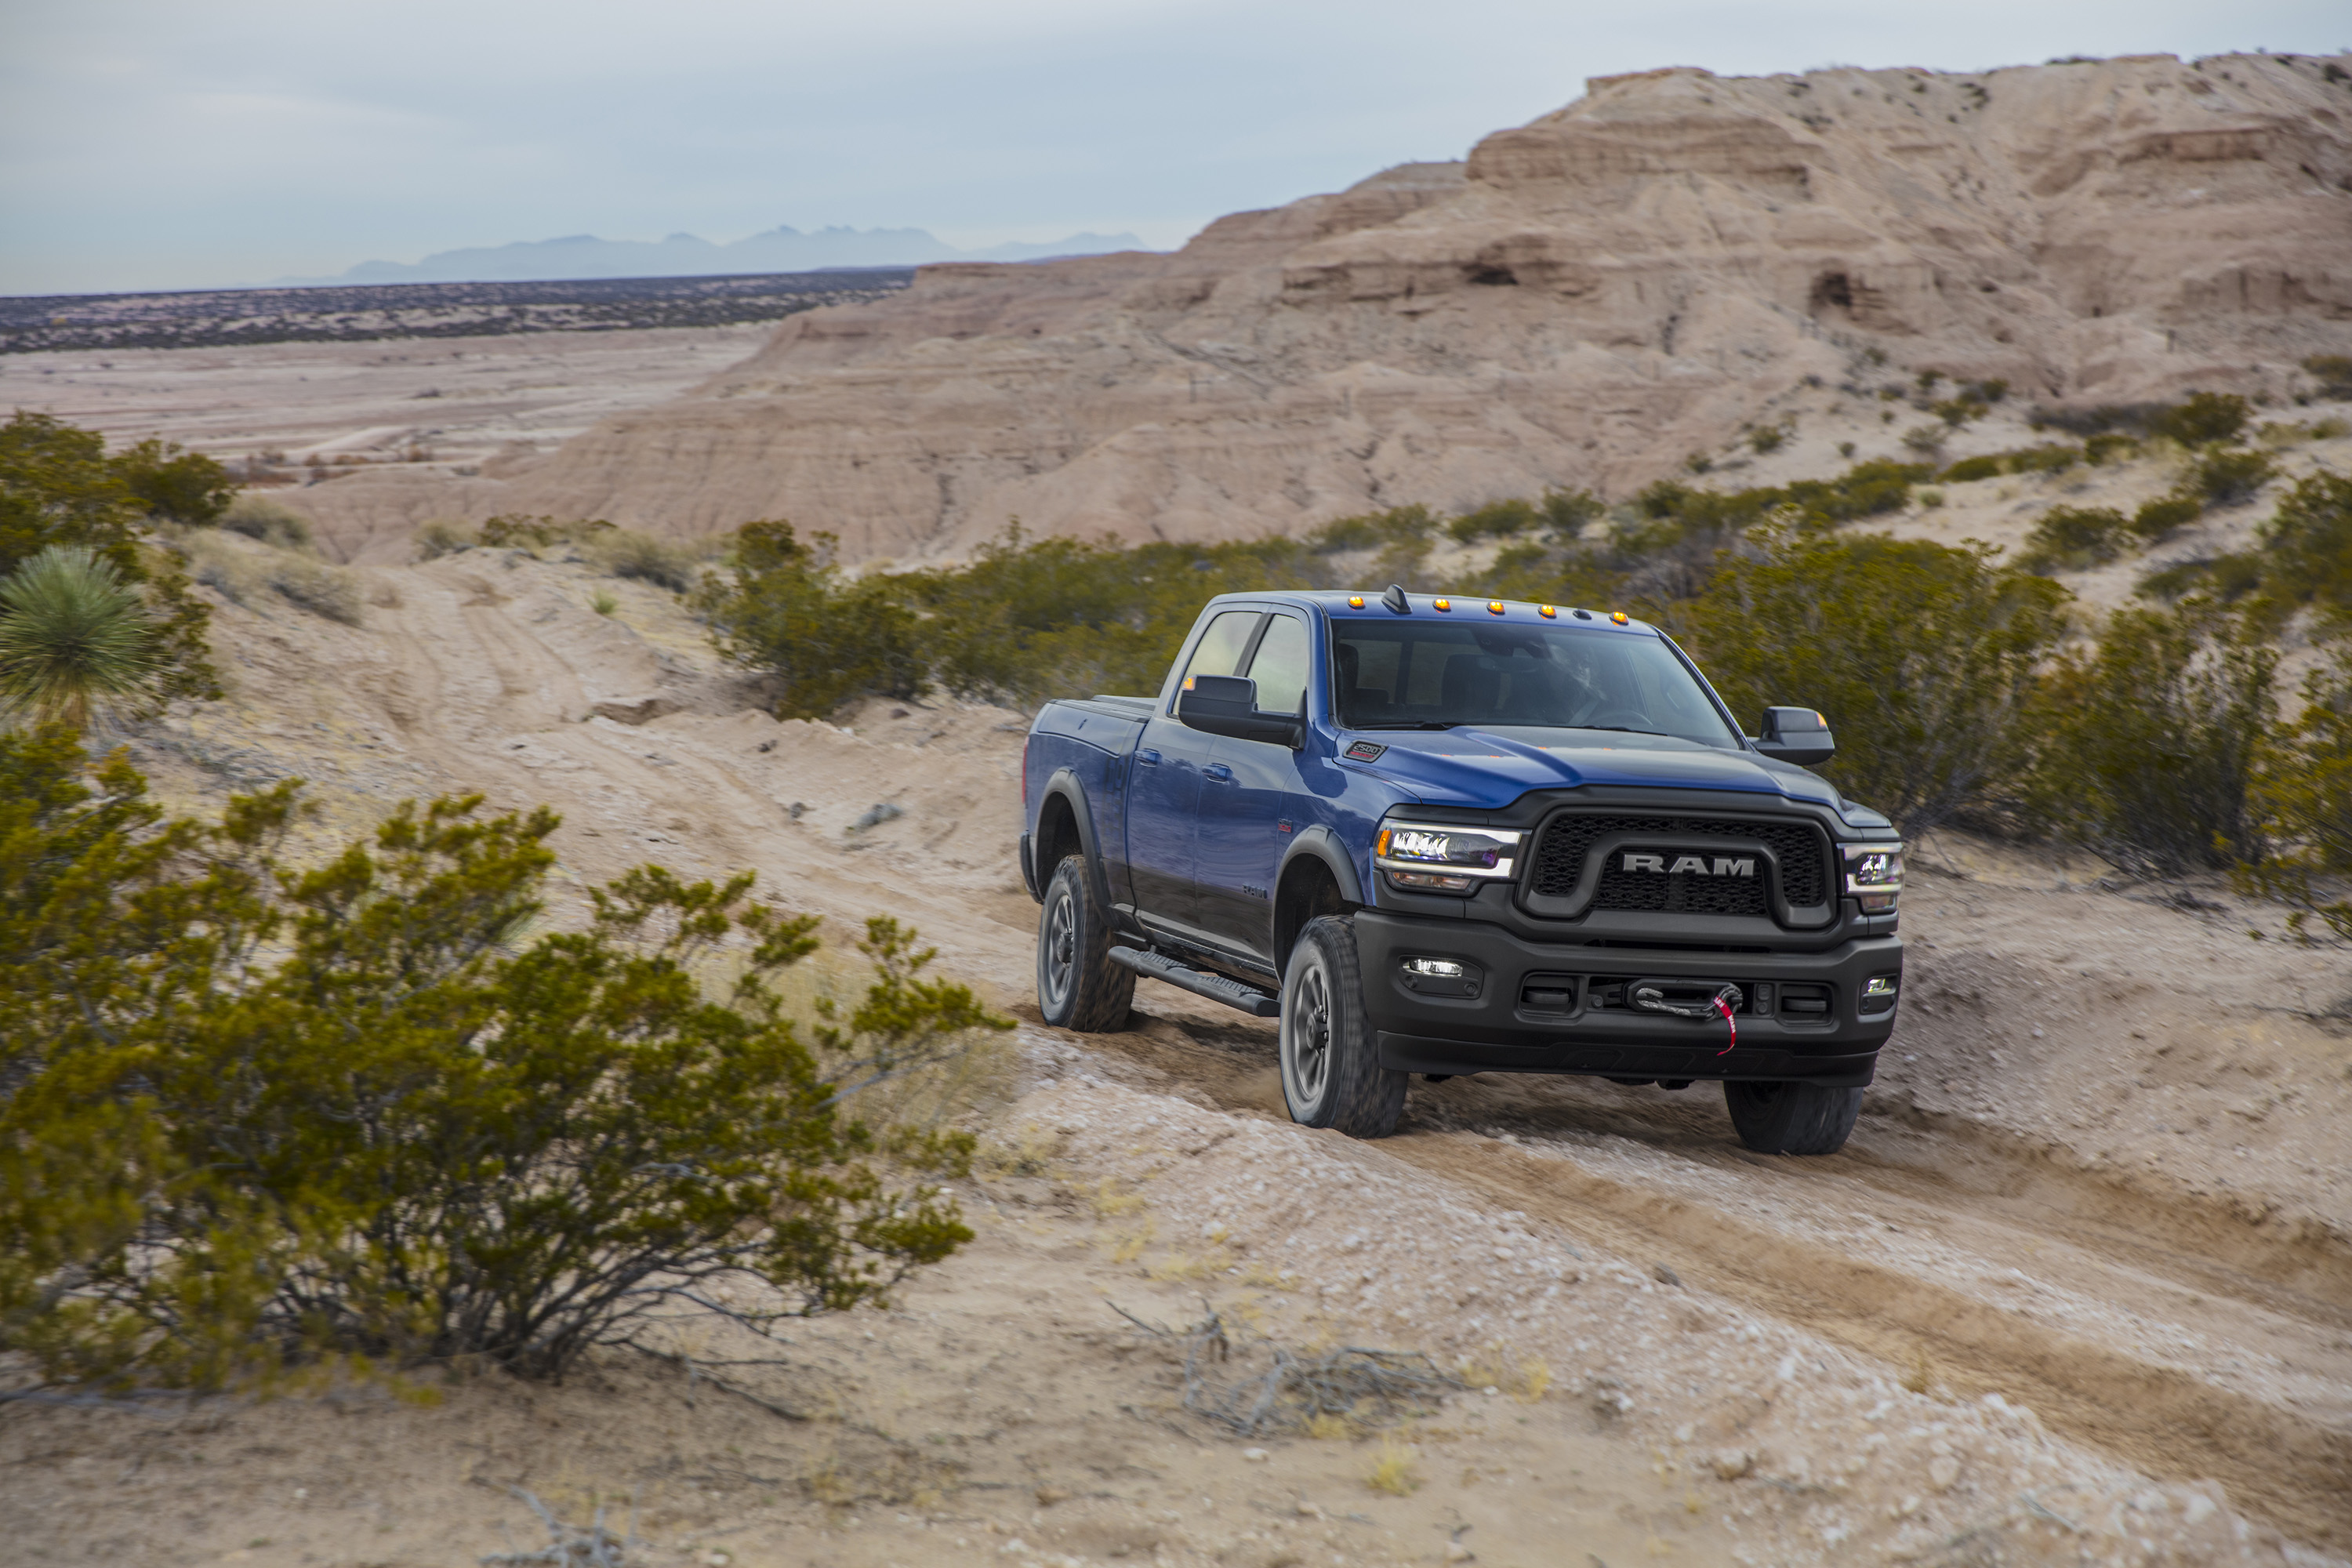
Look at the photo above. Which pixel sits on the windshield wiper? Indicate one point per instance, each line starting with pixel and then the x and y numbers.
pixel 1415 724
pixel 1620 730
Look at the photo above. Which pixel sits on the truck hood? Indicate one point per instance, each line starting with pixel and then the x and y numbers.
pixel 1490 768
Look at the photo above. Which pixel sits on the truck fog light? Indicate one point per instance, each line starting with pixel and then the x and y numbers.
pixel 1876 904
pixel 1439 977
pixel 1429 881
pixel 1879 986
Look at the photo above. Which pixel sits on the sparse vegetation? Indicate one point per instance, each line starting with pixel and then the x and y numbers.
pixel 267 1116
pixel 2231 479
pixel 74 639
pixel 172 484
pixel 273 522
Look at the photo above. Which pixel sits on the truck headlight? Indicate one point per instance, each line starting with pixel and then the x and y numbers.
pixel 1433 858
pixel 1874 875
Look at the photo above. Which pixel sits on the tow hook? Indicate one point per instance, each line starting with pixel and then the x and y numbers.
pixel 1689 999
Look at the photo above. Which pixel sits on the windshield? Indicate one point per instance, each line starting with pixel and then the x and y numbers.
pixel 1421 674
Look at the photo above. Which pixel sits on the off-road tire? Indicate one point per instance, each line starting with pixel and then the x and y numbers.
pixel 1078 987
pixel 1331 1073
pixel 1784 1118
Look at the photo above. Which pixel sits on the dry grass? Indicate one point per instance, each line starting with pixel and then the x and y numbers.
pixel 1392 1471
pixel 1349 1388
pixel 251 573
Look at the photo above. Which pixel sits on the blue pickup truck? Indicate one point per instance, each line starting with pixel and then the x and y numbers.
pixel 1444 836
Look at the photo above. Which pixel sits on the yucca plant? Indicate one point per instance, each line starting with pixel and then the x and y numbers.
pixel 73 636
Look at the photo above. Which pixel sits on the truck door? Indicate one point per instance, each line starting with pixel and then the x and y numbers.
pixel 1163 795
pixel 1249 793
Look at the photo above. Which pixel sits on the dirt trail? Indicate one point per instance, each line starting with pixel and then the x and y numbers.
pixel 2171 1292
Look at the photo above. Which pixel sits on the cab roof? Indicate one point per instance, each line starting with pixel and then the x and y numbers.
pixel 1359 604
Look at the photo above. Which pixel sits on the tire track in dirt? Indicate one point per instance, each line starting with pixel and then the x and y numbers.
pixel 2292 1469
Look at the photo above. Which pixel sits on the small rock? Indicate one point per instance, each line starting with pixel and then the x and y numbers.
pixel 1731 1464
pixel 1667 1276
pixel 633 710
pixel 767 745
pixel 1458 1552
pixel 874 815
pixel 1257 1456
pixel 1942 1471
pixel 1048 1495
pixel 1308 1511
pixel 898 713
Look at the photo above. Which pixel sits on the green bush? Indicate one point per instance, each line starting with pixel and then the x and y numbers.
pixel 266 1116
pixel 2231 479
pixel 2302 796
pixel 2071 538
pixel 2158 518
pixel 785 607
pixel 273 522
pixel 2307 545
pixel 58 489
pixel 1922 657
pixel 1969 469
pixel 2205 418
pixel 672 563
pixel 1496 519
pixel 1770 439
pixel 2146 744
pixel 2108 445
pixel 174 484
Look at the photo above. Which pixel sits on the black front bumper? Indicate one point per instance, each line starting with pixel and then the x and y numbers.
pixel 1497 1030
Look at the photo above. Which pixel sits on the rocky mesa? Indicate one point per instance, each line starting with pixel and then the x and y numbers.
pixel 1581 302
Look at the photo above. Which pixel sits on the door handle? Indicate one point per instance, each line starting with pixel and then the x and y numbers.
pixel 1219 772
pixel 1148 759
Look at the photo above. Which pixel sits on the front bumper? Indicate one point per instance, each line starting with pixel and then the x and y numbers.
pixel 1498 1030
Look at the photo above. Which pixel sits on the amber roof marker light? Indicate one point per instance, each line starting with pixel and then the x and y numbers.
pixel 1620 616
pixel 1547 612
pixel 1355 601
pixel 1442 604
pixel 1494 607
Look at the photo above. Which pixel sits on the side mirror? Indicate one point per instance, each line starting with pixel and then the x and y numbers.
pixel 1227 705
pixel 1796 735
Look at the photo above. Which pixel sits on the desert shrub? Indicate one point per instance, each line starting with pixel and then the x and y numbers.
pixel 2103 419
pixel 1969 469
pixel 2070 538
pixel 1496 519
pixel 1926 440
pixel 2307 545
pixel 439 536
pixel 2158 518
pixel 671 563
pixel 1957 411
pixel 58 489
pixel 272 521
pixel 1566 513
pixel 174 484
pixel 2045 459
pixel 2231 479
pixel 1922 657
pixel 2333 371
pixel 1401 535
pixel 1769 438
pixel 2107 446
pixel 2203 418
pixel 262 1116
pixel 2303 797
pixel 74 638
pixel 2145 743
pixel 786 608
pixel 253 574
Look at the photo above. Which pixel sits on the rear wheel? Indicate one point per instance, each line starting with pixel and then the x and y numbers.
pixel 1078 987
pixel 1331 1075
pixel 1782 1118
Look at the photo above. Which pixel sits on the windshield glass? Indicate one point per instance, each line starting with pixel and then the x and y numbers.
pixel 1413 673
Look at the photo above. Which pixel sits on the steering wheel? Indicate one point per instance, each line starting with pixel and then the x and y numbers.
pixel 1618 718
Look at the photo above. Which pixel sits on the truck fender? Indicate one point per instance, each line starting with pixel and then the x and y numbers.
pixel 1064 790
pixel 1323 846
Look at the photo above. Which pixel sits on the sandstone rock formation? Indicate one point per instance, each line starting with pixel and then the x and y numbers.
pixel 1586 300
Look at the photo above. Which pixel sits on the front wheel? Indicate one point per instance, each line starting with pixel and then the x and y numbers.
pixel 1782 1118
pixel 1331 1075
pixel 1078 987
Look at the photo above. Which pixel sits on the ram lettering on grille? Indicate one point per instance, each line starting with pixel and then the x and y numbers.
pixel 1725 865
pixel 1696 887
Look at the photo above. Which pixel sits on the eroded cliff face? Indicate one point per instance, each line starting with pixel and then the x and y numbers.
pixel 1585 300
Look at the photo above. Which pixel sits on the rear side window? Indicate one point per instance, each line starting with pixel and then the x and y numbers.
pixel 1220 649
pixel 1279 666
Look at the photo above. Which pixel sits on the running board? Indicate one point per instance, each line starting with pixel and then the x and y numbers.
pixel 1185 977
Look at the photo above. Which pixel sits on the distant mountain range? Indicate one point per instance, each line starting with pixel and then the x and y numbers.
pixel 686 256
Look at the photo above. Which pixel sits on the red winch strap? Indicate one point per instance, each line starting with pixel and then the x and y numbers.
pixel 1724 1007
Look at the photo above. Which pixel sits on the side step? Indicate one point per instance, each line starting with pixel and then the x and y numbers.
pixel 1185 977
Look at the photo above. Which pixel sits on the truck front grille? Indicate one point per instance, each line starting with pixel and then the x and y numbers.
pixel 1558 862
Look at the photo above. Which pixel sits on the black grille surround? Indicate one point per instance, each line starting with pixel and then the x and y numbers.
pixel 1799 857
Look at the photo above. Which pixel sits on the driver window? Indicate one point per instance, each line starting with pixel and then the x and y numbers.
pixel 1219 651
pixel 1279 666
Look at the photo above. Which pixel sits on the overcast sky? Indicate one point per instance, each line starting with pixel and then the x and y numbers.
pixel 160 143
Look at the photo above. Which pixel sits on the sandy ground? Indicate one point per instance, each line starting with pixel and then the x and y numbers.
pixel 2076 1292
pixel 415 420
